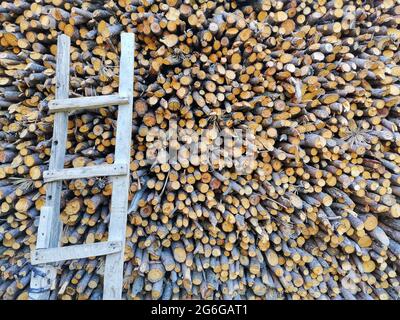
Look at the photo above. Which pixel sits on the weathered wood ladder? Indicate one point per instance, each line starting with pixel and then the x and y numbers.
pixel 50 228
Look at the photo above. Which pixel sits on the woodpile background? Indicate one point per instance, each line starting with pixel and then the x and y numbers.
pixel 315 82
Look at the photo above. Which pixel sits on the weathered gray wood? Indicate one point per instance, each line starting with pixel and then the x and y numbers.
pixel 79 251
pixel 46 214
pixel 86 172
pixel 86 103
pixel 113 272
pixel 50 224
pixel 49 228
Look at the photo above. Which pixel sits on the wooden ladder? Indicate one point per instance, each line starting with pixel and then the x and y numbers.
pixel 50 228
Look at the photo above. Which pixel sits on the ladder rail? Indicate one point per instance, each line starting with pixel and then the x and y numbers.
pixel 78 251
pixel 49 231
pixel 113 271
pixel 87 172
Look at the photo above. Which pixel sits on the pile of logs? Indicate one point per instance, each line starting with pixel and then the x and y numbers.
pixel 316 83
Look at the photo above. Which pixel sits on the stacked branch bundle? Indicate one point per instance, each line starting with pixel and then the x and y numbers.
pixel 316 83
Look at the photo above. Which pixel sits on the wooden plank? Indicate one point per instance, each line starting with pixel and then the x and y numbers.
pixel 86 172
pixel 79 251
pixel 113 272
pixel 50 225
pixel 44 236
pixel 65 105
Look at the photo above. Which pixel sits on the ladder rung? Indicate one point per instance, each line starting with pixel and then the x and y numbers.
pixel 86 172
pixel 65 105
pixel 79 251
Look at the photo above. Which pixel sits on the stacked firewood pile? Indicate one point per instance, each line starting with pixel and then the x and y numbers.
pixel 315 83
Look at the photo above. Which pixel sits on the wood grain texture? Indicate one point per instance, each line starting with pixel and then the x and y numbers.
pixel 114 266
pixel 50 237
pixel 86 172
